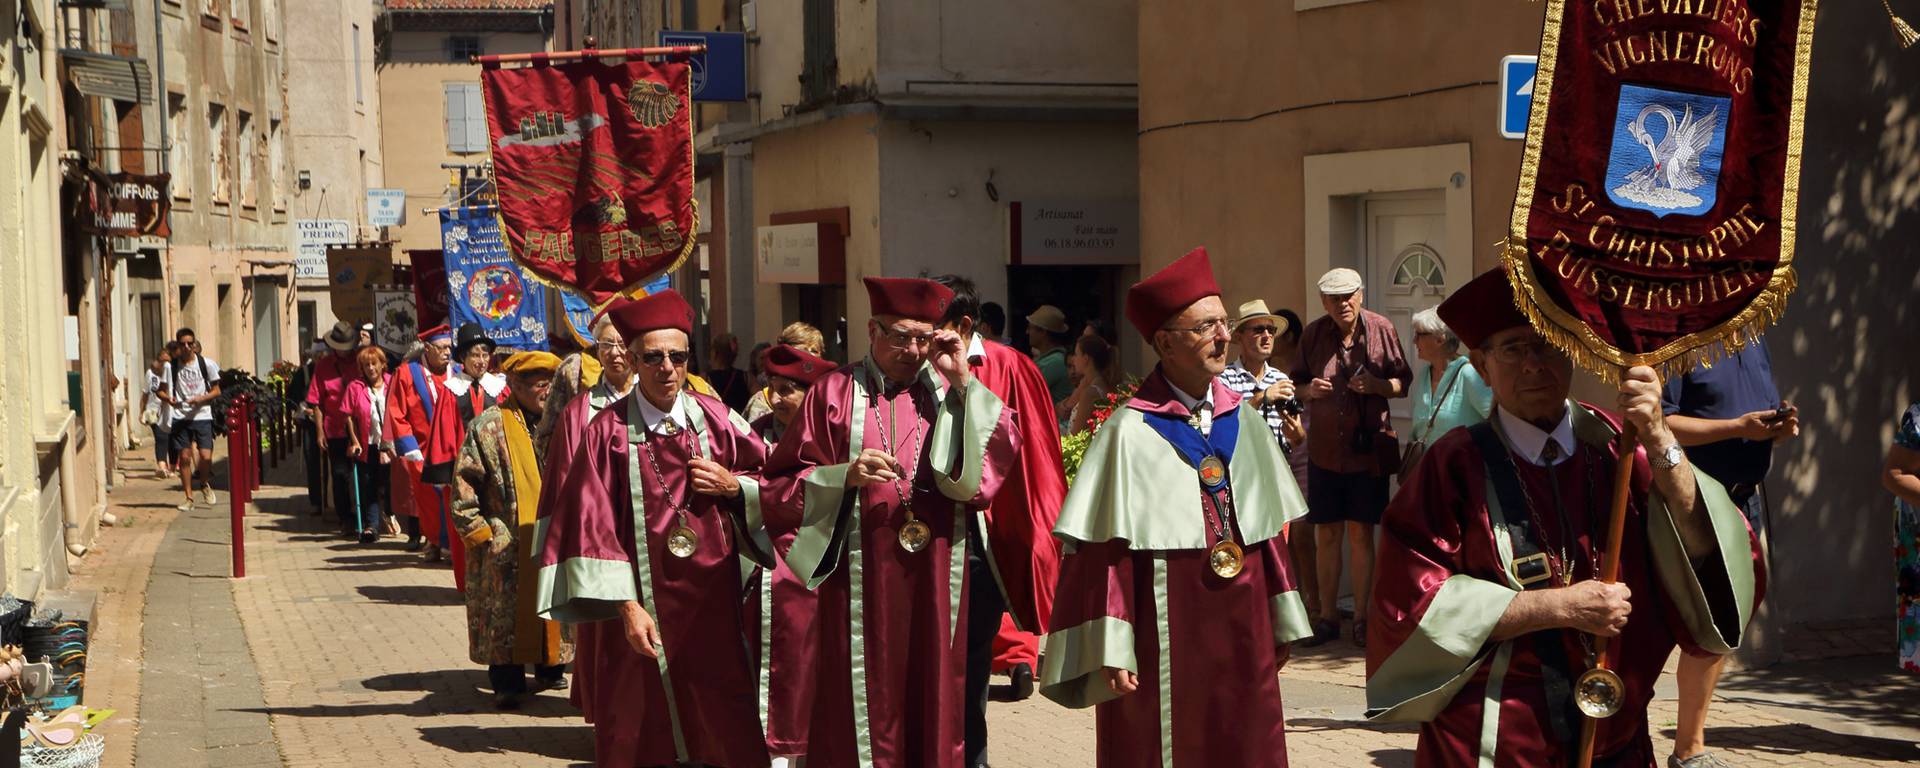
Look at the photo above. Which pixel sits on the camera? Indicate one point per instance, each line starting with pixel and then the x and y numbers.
pixel 1290 406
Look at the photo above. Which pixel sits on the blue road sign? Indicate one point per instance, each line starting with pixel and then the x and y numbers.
pixel 720 74
pixel 1516 94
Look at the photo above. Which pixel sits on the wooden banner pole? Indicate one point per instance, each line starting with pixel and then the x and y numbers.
pixel 553 57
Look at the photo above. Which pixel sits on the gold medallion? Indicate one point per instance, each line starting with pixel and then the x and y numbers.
pixel 1599 693
pixel 1226 559
pixel 1212 472
pixel 681 541
pixel 915 535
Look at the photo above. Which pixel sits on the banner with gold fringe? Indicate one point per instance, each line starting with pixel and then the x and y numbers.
pixel 1654 221
pixel 593 165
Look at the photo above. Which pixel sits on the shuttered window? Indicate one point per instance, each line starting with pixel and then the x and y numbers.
pixel 466 118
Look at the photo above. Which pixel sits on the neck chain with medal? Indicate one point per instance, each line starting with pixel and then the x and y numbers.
pixel 681 541
pixel 1225 557
pixel 1597 691
pixel 914 534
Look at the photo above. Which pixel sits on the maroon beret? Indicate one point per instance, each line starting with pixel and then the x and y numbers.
pixel 1168 292
pixel 797 364
pixel 1481 308
pixel 909 297
pixel 655 312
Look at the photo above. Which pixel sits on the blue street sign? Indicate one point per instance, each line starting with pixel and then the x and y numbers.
pixel 1516 94
pixel 720 74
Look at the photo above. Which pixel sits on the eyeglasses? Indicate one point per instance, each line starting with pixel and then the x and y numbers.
pixel 1513 352
pixel 1262 330
pixel 1208 328
pixel 610 347
pixel 908 339
pixel 656 357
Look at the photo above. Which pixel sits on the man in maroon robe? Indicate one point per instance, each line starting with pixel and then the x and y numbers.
pixel 780 607
pixel 1019 554
pixel 878 481
pixel 659 508
pixel 1487 599
pixel 1177 602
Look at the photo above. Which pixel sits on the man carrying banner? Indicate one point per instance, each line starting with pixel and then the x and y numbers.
pixel 410 401
pixel 496 503
pixel 781 627
pixel 1487 595
pixel 878 480
pixel 1023 561
pixel 1176 602
pixel 659 506
pixel 464 395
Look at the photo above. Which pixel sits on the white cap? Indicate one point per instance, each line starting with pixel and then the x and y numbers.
pixel 1340 282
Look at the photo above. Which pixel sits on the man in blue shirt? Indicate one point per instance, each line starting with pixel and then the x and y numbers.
pixel 1728 418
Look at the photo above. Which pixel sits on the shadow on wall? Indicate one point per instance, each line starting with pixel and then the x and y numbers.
pixel 1846 353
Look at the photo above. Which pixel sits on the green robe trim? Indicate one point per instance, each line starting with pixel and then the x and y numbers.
pixel 1422 676
pixel 578 590
pixel 765 673
pixel 1071 677
pixel 815 549
pixel 1289 616
pixel 1135 487
pixel 1490 704
pixel 1164 628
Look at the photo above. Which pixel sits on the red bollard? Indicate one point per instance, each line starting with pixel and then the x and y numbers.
pixel 236 496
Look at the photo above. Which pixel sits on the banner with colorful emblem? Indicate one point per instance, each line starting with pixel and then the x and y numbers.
pixel 593 164
pixel 1654 220
pixel 484 286
pixel 429 270
pixel 580 310
pixel 395 320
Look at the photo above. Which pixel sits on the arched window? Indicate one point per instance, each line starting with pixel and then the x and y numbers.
pixel 1418 266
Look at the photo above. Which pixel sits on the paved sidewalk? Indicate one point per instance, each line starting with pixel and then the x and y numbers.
pixel 358 657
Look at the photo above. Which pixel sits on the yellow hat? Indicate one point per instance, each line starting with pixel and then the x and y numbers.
pixel 530 363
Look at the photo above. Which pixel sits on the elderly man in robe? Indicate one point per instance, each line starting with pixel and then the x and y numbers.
pixel 471 388
pixel 496 501
pixel 1487 601
pixel 410 401
pixel 879 480
pixel 656 506
pixel 1176 602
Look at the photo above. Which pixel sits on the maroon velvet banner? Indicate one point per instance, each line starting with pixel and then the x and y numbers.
pixel 430 291
pixel 593 163
pixel 1654 220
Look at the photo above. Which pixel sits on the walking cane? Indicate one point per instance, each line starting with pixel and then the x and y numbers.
pixel 359 524
pixel 1599 691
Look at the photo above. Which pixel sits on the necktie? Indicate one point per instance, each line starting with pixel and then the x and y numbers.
pixel 1550 454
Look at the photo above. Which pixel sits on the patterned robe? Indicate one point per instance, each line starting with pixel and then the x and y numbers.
pixel 503 626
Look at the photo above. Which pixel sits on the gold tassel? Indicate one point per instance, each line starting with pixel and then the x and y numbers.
pixel 1900 27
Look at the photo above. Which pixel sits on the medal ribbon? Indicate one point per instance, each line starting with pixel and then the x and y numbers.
pixel 1194 449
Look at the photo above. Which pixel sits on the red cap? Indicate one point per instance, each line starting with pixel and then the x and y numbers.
pixel 1482 308
pixel 909 297
pixel 1168 292
pixel 797 364
pixel 441 331
pixel 655 312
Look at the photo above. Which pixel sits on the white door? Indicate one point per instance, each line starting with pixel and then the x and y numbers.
pixel 1402 236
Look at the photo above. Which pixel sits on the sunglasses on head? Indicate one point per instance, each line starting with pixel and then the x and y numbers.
pixel 678 356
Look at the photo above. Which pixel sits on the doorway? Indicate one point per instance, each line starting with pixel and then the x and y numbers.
pixel 1405 264
pixel 266 326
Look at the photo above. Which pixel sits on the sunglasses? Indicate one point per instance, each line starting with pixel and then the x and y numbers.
pixel 656 357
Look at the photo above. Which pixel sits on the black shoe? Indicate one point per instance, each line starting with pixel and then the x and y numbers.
pixel 414 544
pixel 506 701
pixel 368 536
pixel 1022 681
pixel 1323 632
pixel 1360 633
pixel 550 684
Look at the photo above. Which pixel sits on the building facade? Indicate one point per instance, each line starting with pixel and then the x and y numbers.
pixel 1293 137
pixel 433 128
pixel 333 136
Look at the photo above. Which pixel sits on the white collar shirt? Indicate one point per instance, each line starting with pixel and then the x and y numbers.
pixel 1202 407
pixel 654 418
pixel 1531 440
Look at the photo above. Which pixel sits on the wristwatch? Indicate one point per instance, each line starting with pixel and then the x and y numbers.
pixel 1667 458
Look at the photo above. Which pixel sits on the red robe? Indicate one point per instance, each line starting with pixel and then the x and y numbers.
pixel 890 648
pixel 1019 523
pixel 1442 584
pixel 459 401
pixel 695 704
pixel 1137 592
pixel 409 421
pixel 781 633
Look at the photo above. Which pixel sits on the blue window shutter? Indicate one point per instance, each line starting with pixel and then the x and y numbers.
pixel 476 119
pixel 456 117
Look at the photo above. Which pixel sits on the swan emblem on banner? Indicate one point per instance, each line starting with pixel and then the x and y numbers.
pixel 1667 150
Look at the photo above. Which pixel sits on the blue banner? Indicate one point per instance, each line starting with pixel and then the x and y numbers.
pixel 580 312
pixel 484 284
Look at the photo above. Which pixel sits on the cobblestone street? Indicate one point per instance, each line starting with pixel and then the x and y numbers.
pixel 335 654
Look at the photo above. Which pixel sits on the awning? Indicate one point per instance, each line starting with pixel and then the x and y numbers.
pixel 120 78
pixel 111 5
